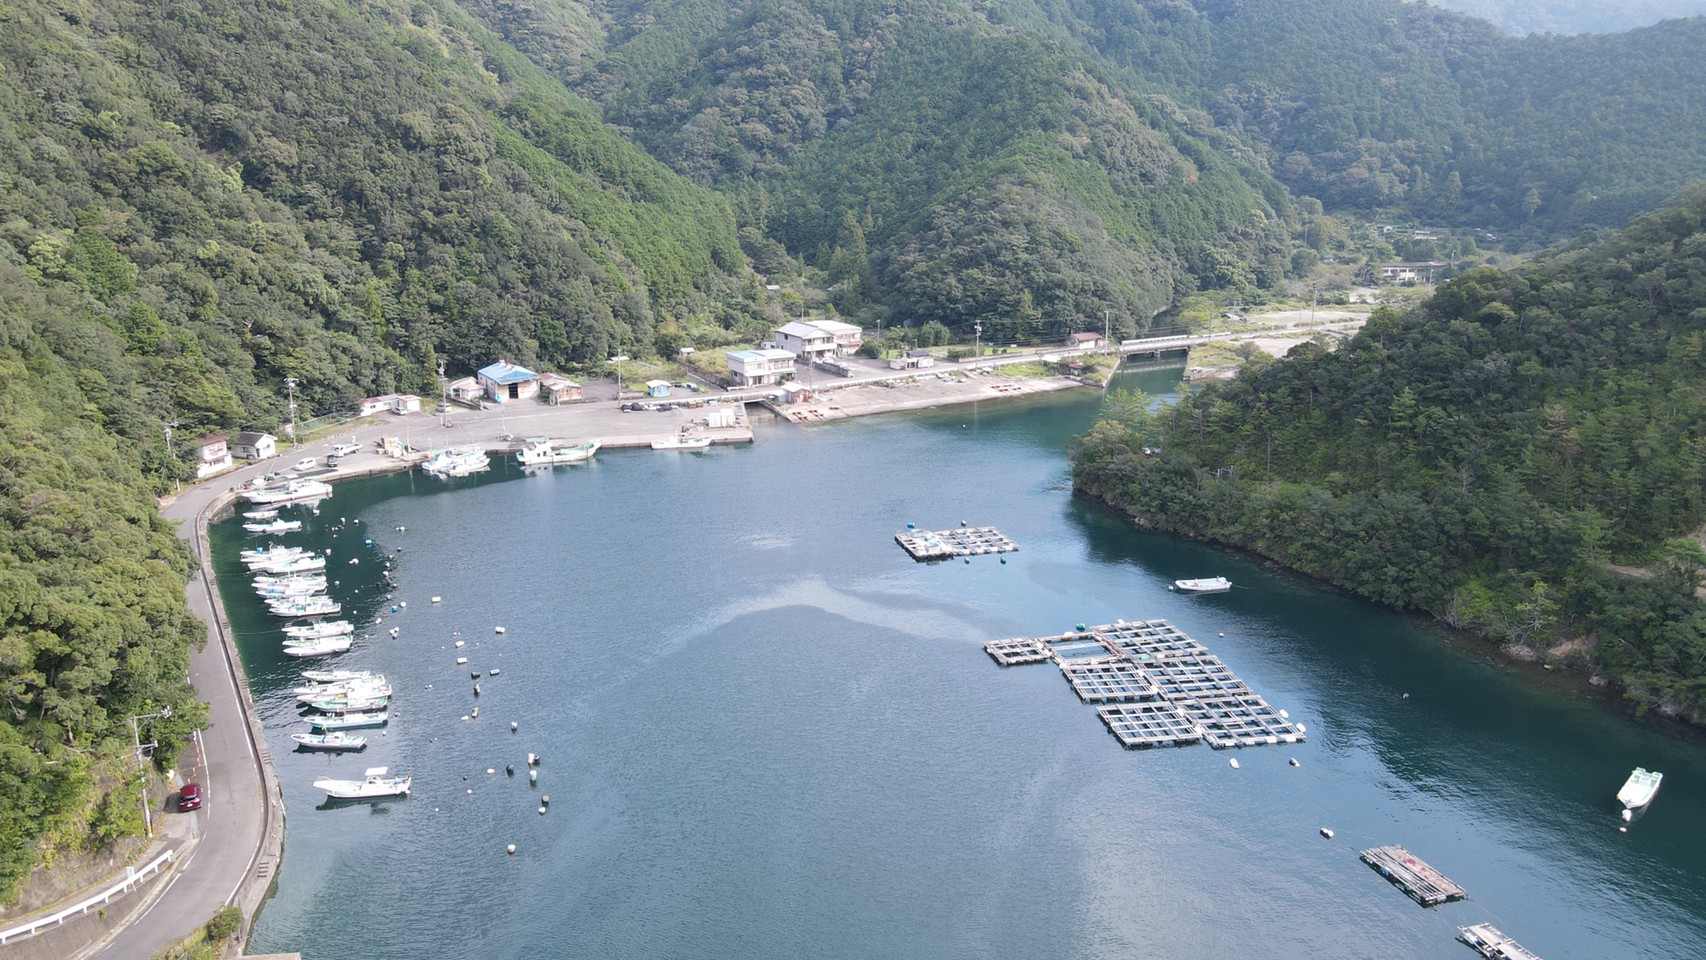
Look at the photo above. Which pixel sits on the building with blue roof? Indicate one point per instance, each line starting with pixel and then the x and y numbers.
pixel 504 382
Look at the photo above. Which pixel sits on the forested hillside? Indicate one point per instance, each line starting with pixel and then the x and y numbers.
pixel 1575 16
pixel 1489 457
pixel 199 200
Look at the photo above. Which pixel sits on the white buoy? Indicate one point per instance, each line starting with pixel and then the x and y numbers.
pixel 532 776
pixel 470 791
pixel 1284 715
pixel 1295 763
pixel 437 599
pixel 513 726
pixel 475 713
pixel 1628 815
pixel 541 811
pixel 1302 729
pixel 499 630
pixel 1325 832
pixel 491 770
pixel 1622 829
pixel 1234 762
pixel 461 660
pixel 1223 633
pixel 533 759
pixel 465 718
pixel 510 849
pixel 403 603
pixel 459 644
pixel 545 800
pixel 494 671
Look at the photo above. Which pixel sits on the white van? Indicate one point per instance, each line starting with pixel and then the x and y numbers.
pixel 306 463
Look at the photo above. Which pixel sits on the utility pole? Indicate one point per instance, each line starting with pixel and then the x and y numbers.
pixel 977 340
pixel 443 395
pixel 171 465
pixel 618 361
pixel 290 385
pixel 1107 327
pixel 141 768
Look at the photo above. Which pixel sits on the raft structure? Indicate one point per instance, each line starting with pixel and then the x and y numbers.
pixel 1153 686
pixel 1485 939
pixel 1409 873
pixel 947 544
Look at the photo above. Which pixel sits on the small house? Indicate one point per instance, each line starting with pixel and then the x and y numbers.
pixel 504 382
pixel 1087 341
pixel 250 445
pixel 1411 271
pixel 212 455
pixel 753 368
pixel 556 388
pixel 805 341
pixel 848 337
pixel 466 390
pixel 398 403
pixel 796 393
pixel 657 388
pixel 402 403
pixel 913 360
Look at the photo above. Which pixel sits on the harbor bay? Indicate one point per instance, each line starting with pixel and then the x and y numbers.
pixel 767 732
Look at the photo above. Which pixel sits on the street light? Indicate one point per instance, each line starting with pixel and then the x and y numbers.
pixel 171 465
pixel 443 395
pixel 618 361
pixel 290 385
pixel 141 769
pixel 976 340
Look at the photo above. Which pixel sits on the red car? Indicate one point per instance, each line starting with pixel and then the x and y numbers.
pixel 189 797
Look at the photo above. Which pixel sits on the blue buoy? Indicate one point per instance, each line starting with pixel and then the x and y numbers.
pixel 1082 628
pixel 368 544
pixel 393 608
pixel 1003 560
pixel 912 526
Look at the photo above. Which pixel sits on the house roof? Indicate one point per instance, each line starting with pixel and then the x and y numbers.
pixel 1085 337
pixel 920 352
pixel 461 384
pixel 802 330
pixel 555 381
pixel 249 438
pixel 750 355
pixel 657 383
pixel 506 373
pixel 212 438
pixel 834 327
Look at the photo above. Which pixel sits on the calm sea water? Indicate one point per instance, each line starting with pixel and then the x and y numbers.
pixel 767 733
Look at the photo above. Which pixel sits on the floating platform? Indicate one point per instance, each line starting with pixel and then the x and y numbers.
pixel 1139 726
pixel 1485 939
pixel 1155 686
pixel 947 544
pixel 1409 873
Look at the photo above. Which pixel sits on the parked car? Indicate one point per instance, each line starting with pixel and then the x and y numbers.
pixel 331 459
pixel 306 463
pixel 189 797
pixel 345 449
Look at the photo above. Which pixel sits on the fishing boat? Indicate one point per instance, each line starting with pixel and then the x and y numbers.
pixel 348 721
pixel 319 631
pixel 540 452
pixel 371 705
pixel 291 588
pixel 273 526
pixel 457 463
pixel 294 491
pixel 682 441
pixel 266 514
pixel 377 784
pixel 325 646
pixel 303 564
pixel 1638 790
pixel 1204 585
pixel 269 554
pixel 367 688
pixel 296 607
pixel 337 740
pixel 336 676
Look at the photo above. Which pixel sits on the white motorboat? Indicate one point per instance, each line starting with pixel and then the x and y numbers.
pixel 378 784
pixel 295 491
pixel 319 648
pixel 273 526
pixel 321 631
pixel 1204 585
pixel 303 564
pixel 457 463
pixel 370 705
pixel 336 676
pixel 294 588
pixel 293 607
pixel 1638 790
pixel 266 514
pixel 682 441
pixel 272 553
pixel 336 740
pixel 348 721
pixel 540 451
pixel 367 688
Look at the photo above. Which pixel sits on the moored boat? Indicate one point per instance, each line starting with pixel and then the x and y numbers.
pixel 295 491
pixel 304 564
pixel 336 676
pixel 349 721
pixel 1638 790
pixel 321 631
pixel 370 705
pixel 1203 585
pixel 378 783
pixel 336 740
pixel 273 526
pixel 682 441
pixel 266 514
pixel 325 646
pixel 312 606
pixel 540 451
pixel 457 463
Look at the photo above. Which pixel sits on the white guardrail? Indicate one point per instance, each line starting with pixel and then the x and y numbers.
pixel 133 876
